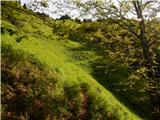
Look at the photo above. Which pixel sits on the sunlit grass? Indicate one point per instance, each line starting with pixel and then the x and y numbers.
pixel 57 53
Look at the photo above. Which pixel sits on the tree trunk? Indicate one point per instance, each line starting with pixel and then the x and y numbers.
pixel 150 76
pixel 152 87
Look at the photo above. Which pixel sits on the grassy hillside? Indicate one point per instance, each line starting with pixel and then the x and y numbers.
pixel 47 76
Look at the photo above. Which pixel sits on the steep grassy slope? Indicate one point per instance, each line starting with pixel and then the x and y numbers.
pixel 41 78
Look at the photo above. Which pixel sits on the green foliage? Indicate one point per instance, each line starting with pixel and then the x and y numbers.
pixel 48 69
pixel 120 69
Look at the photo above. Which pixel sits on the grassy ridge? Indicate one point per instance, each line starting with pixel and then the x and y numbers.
pixel 74 94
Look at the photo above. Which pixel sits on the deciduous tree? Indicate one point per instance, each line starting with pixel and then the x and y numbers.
pixel 143 12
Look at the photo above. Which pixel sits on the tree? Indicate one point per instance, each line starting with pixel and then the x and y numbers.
pixel 145 12
pixel 65 17
pixel 24 6
pixel 87 20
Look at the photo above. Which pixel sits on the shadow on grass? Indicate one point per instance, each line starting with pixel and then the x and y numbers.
pixel 118 84
pixel 116 81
